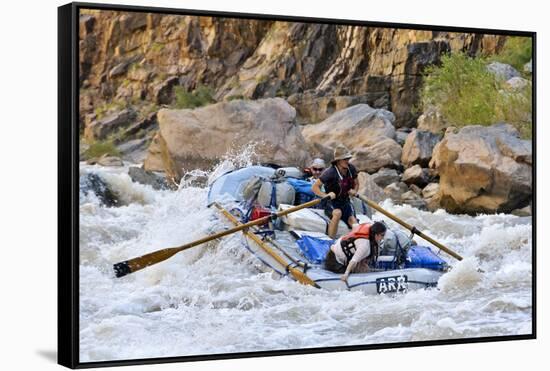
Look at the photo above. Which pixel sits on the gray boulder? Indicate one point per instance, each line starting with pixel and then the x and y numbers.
pixel 385 177
pixel 395 190
pixel 413 199
pixel 401 135
pixel 100 129
pixel 518 83
pixel 502 71
pixel 369 188
pixel 139 175
pixel 416 175
pixel 418 148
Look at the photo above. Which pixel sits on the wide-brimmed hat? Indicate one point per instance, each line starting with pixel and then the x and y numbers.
pixel 341 153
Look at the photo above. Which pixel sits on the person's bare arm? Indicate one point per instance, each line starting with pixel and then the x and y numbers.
pixel 355 189
pixel 316 188
pixel 349 269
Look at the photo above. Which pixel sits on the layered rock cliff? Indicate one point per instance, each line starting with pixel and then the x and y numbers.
pixel 136 59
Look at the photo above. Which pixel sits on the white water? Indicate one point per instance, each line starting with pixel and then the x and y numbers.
pixel 213 299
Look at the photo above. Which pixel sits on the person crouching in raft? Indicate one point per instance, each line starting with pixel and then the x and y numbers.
pixel 340 182
pixel 354 251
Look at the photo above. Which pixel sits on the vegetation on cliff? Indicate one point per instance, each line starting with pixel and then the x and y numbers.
pixel 466 93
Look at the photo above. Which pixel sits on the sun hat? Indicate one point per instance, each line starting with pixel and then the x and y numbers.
pixel 341 152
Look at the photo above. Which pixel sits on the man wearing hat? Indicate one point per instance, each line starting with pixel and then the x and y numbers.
pixel 340 182
pixel 315 169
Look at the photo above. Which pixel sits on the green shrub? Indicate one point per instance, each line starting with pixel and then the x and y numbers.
pixel 516 52
pixel 465 93
pixel 100 148
pixel 462 89
pixel 198 98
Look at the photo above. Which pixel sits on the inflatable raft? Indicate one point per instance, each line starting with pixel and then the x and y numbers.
pixel 295 244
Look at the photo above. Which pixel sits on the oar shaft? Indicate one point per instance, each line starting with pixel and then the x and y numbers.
pixel 135 264
pixel 409 227
pixel 297 274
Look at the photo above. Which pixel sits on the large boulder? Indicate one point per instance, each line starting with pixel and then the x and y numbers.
pixel 369 188
pixel 385 177
pixel 518 83
pixel 384 153
pixel 416 175
pixel 484 169
pixel 312 108
pixel 395 190
pixel 418 148
pixel 198 138
pixel 368 132
pixel 503 71
pixel 101 129
pixel 431 195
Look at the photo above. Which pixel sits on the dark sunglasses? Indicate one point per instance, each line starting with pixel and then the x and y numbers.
pixel 317 169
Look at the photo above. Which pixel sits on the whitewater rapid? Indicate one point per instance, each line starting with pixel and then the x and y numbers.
pixel 215 298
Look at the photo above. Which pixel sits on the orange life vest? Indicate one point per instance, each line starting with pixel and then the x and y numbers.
pixel 347 242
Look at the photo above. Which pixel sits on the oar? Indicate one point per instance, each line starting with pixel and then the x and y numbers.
pixel 409 227
pixel 136 264
pixel 296 273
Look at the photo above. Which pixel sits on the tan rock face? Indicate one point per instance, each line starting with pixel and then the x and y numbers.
pixel 124 56
pixel 366 131
pixel 484 169
pixel 200 137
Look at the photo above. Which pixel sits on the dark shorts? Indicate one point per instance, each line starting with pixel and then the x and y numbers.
pixel 345 206
pixel 332 264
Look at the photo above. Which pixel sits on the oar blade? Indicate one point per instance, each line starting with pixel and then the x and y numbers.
pixel 130 266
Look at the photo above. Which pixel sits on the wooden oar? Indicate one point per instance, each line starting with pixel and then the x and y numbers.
pixel 296 273
pixel 409 227
pixel 130 266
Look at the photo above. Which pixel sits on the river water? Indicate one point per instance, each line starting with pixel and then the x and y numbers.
pixel 215 299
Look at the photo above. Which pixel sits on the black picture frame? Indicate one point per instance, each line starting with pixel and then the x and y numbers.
pixel 68 185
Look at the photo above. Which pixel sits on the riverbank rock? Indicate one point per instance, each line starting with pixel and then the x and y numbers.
pixel 313 108
pixel 518 83
pixel 100 129
pixel 105 160
pixel 93 183
pixel 416 175
pixel 385 177
pixel 418 148
pixel 384 153
pixel 484 169
pixel 431 195
pixel 432 120
pixel 369 188
pixel 413 199
pixel 395 190
pixel 401 135
pixel 502 71
pixel 525 211
pixel 368 133
pixel 139 175
pixel 198 138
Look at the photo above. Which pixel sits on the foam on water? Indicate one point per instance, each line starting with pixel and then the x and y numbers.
pixel 216 298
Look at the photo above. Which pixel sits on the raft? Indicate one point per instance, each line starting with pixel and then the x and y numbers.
pixel 294 245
